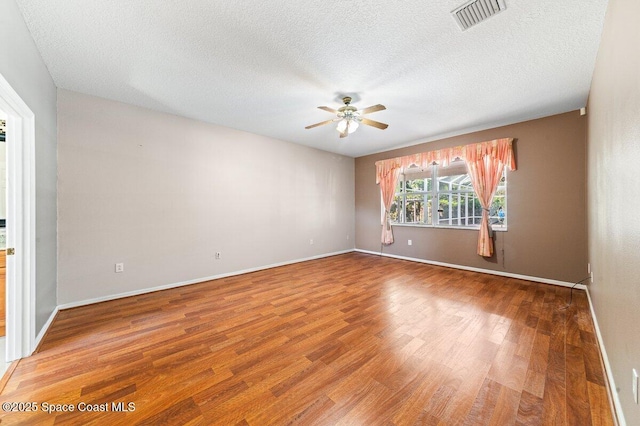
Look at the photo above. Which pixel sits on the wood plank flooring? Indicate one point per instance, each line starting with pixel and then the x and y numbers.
pixel 353 339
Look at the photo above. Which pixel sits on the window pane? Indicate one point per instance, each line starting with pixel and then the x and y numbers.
pixel 457 203
pixel 498 210
pixel 417 208
pixel 418 180
pixel 454 177
pixel 459 209
pixel 415 185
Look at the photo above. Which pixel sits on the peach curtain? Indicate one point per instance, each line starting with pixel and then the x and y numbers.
pixel 388 179
pixel 485 161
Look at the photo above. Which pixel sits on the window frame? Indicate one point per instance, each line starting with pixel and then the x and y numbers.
pixel 434 193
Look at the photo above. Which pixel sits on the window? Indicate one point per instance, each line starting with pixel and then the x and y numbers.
pixel 444 197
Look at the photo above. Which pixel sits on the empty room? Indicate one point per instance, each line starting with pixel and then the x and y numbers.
pixel 319 213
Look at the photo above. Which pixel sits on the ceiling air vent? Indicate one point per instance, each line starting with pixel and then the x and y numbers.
pixel 475 11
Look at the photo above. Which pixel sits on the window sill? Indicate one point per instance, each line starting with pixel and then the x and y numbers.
pixel 468 228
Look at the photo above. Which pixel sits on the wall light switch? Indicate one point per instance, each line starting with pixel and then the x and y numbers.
pixel 410 242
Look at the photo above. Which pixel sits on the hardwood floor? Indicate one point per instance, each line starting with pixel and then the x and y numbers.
pixel 351 339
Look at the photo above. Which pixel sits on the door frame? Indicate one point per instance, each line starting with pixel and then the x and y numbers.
pixel 21 224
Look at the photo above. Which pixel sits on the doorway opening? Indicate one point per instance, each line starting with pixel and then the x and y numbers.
pixel 20 224
pixel 3 240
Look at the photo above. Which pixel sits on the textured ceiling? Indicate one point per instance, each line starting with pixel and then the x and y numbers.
pixel 265 66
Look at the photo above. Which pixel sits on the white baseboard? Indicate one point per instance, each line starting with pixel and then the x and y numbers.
pixel 482 271
pixel 189 282
pixel 44 329
pixel 618 413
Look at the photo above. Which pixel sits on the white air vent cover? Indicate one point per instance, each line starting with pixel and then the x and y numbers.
pixel 475 11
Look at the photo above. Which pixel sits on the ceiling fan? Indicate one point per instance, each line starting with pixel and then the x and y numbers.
pixel 349 117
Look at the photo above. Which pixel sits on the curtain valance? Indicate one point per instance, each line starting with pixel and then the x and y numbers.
pixel 498 149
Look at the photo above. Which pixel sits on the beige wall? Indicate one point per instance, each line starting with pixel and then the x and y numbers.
pixel 23 68
pixel 162 194
pixel 614 204
pixel 546 205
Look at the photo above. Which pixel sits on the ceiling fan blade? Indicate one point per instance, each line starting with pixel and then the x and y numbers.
pixel 373 108
pixel 319 124
pixel 373 123
pixel 326 108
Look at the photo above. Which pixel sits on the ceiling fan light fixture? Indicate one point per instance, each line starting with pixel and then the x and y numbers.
pixel 347 125
pixel 350 117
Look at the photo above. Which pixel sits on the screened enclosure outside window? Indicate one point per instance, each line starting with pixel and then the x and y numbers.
pixel 444 196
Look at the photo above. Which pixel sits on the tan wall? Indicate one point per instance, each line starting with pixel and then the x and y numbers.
pixel 614 204
pixel 162 193
pixel 546 205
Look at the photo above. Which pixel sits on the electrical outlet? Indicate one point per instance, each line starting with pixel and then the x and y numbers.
pixel 119 267
pixel 635 385
pixel 218 255
pixel 409 242
pixel 591 276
